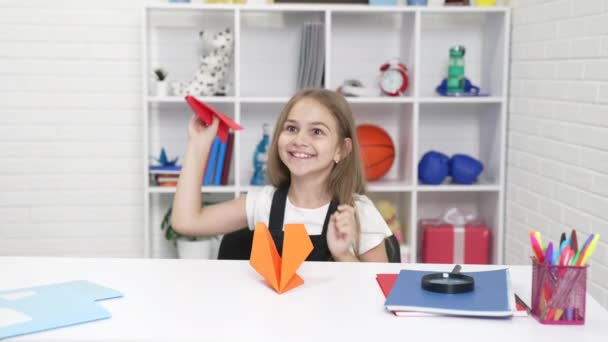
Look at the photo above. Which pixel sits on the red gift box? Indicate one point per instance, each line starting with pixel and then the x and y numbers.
pixel 445 244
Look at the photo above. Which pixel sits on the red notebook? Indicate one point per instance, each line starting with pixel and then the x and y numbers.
pixel 387 280
pixel 228 159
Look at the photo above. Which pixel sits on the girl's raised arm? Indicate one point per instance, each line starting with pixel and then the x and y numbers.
pixel 188 217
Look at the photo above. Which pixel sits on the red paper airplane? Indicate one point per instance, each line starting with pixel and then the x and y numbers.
pixel 206 113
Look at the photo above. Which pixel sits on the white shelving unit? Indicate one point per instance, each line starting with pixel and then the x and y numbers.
pixel 358 40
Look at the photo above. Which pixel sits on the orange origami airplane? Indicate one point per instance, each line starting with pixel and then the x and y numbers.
pixel 280 274
pixel 206 113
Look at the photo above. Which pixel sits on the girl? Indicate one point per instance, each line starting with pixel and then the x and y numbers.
pixel 316 176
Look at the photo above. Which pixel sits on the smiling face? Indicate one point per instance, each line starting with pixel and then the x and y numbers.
pixel 308 142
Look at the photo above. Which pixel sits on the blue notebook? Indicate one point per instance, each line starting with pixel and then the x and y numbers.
pixel 215 148
pixel 492 296
pixel 34 309
pixel 219 168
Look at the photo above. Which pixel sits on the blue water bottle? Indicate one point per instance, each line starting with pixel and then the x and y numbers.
pixel 260 157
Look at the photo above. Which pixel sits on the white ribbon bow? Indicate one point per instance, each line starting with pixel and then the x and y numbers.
pixel 458 219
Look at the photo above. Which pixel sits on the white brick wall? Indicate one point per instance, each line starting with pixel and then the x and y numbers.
pixel 70 128
pixel 557 174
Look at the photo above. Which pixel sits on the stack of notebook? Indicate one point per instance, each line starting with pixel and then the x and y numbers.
pixel 492 296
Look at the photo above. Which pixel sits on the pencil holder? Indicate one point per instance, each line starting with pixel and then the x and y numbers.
pixel 558 293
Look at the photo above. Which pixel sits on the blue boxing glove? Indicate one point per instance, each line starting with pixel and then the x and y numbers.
pixel 464 169
pixel 433 168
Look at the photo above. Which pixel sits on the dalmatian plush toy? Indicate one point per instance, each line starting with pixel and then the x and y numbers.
pixel 210 78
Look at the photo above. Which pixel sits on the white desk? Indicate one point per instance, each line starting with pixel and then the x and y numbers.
pixel 193 300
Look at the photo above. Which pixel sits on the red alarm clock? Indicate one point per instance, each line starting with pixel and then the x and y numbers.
pixel 393 78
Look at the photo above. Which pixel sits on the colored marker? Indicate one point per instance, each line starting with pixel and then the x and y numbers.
pixel 549 253
pixel 564 255
pixel 562 245
pixel 540 241
pixel 536 248
pixel 582 251
pixel 569 257
pixel 573 241
pixel 589 251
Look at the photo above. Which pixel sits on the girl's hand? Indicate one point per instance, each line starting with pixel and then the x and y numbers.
pixel 341 232
pixel 201 134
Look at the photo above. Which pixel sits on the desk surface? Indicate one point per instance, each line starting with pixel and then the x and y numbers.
pixel 199 300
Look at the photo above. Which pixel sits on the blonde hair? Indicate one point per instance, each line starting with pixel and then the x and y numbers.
pixel 346 177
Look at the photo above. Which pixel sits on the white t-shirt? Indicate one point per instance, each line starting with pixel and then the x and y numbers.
pixel 373 227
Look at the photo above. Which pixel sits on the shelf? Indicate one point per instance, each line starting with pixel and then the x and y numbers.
pixel 361 42
pixel 388 186
pixel 485 206
pixel 207 189
pixel 380 100
pixel 461 99
pixel 261 99
pixel 459 188
pixel 269 50
pixel 358 40
pixel 350 99
pixel 179 99
pixel 483 33
pixel 474 129
pixel 322 7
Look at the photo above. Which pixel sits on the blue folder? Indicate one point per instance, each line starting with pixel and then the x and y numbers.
pixel 491 297
pixel 35 309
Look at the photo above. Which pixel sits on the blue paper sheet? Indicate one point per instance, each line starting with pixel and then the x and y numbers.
pixel 29 310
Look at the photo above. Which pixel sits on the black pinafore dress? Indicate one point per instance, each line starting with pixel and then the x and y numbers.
pixel 320 251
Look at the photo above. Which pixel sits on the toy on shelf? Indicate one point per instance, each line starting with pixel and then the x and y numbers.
pixel 377 151
pixel 166 173
pixel 210 79
pixel 389 214
pixel 457 84
pixel 260 158
pixel 435 166
pixel 163 160
pixel 212 74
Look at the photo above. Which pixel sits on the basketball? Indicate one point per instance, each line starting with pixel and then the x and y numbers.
pixel 377 151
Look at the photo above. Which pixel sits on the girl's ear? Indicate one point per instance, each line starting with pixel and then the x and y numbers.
pixel 345 149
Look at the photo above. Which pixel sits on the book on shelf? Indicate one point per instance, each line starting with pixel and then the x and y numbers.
pixel 208 177
pixel 217 175
pixel 217 167
pixel 492 296
pixel 163 175
pixel 167 170
pixel 227 159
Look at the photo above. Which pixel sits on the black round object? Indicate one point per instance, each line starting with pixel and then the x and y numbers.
pixel 453 282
